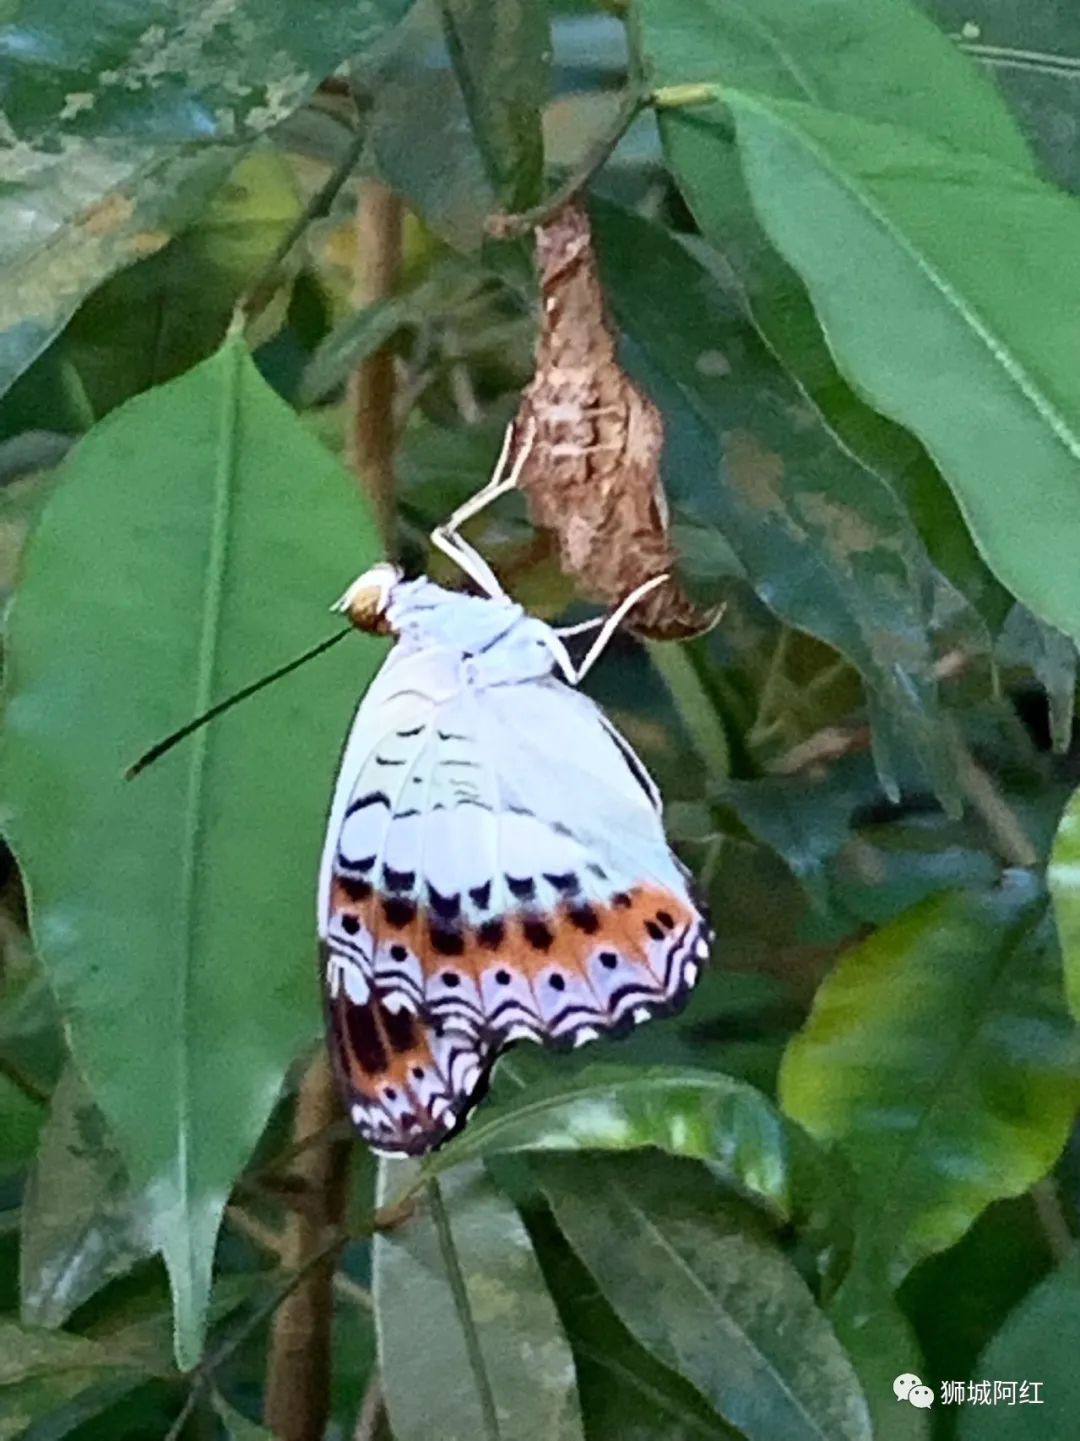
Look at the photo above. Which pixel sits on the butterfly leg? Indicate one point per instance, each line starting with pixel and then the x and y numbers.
pixel 447 537
pixel 575 674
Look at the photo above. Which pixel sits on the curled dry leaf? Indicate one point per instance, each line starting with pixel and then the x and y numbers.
pixel 592 476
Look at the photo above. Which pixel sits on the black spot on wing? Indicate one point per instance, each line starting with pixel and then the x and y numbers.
pixel 398 911
pixel 584 918
pixel 398 881
pixel 364 1039
pixel 566 883
pixel 491 935
pixel 446 942
pixel 373 798
pixel 481 896
pixel 521 887
pixel 537 934
pixel 448 908
pixel 356 890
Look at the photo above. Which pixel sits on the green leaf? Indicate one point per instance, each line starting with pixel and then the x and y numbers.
pixel 176 72
pixel 470 1344
pixel 158 318
pixel 693 1275
pixel 1031 54
pixel 900 245
pixel 881 1344
pixel 207 530
pixel 71 217
pixel 626 1395
pixel 1063 876
pixel 82 1225
pixel 57 1378
pixel 437 168
pixel 699 1114
pixel 237 1426
pixel 939 1055
pixel 824 542
pixel 97 116
pixel 500 51
pixel 1037 1343
pixel 806 819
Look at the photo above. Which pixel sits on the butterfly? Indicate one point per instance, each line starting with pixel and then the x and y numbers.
pixel 495 866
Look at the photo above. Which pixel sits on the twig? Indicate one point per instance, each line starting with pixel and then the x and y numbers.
pixel 262 289
pixel 508 227
pixel 370 398
pixel 1048 1208
pixel 268 1239
pixel 203 1374
pixel 14 1073
pixel 997 815
pixel 298 1361
pixel 369 1423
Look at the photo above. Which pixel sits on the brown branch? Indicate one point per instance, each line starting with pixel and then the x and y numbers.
pixel 506 227
pixel 298 1362
pixel 370 397
pixel 298 1366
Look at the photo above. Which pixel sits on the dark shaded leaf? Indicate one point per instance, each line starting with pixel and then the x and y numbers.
pixel 825 543
pixel 69 218
pixel 82 1225
pixel 470 1344
pixel 500 51
pixel 1038 1343
pixel 693 1275
pixel 171 71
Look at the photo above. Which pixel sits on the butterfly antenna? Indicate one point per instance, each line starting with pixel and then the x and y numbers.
pixel 157 751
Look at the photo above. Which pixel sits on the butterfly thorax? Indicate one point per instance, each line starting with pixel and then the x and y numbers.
pixel 488 641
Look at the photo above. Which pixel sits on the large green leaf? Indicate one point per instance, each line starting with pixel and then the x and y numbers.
pixel 206 529
pixel 881 1344
pixel 824 541
pixel 699 1114
pixel 1038 1343
pixel 940 1056
pixel 82 1224
pixel 694 1276
pixel 174 70
pixel 966 265
pixel 470 1344
pixel 97 119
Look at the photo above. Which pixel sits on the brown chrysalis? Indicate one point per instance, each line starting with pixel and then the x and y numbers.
pixel 592 476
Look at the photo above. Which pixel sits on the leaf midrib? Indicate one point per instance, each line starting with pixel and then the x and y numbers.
pixel 194 812
pixel 656 1235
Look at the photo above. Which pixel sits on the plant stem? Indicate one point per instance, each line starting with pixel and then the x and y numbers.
pixel 507 227
pixel 263 288
pixel 997 815
pixel 298 1362
pixel 370 395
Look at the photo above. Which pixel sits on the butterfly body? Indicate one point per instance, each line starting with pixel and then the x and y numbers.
pixel 495 867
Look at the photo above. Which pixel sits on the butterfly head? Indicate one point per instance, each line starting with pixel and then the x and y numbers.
pixel 366 600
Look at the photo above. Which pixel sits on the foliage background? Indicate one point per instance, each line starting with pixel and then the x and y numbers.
pixel 840 243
